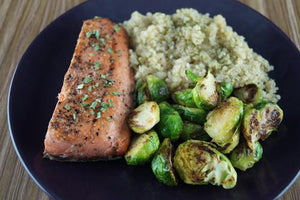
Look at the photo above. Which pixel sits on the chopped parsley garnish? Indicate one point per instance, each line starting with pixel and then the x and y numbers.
pixel 108 83
pixel 87 79
pixel 67 107
pixel 109 50
pixel 96 47
pixel 96 65
pixel 108 118
pixel 88 34
pixel 102 109
pixel 91 54
pixel 92 112
pixel 115 118
pixel 116 93
pixel 80 86
pixel 102 41
pixel 97 84
pixel 110 100
pixel 90 88
pixel 98 115
pixel 117 28
pixel 94 104
pixel 107 36
pixel 111 105
pixel 85 97
pixel 85 104
pixel 74 116
pixel 102 76
pixel 96 33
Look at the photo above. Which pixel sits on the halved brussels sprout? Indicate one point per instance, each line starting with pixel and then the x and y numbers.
pixel 144 117
pixel 225 89
pixel 205 92
pixel 141 95
pixel 142 148
pixel 260 121
pixel 184 98
pixel 227 148
pixel 170 125
pixel 193 131
pixel 157 88
pixel 198 163
pixel 196 115
pixel 250 93
pixel 244 158
pixel 162 165
pixel 222 121
pixel 192 76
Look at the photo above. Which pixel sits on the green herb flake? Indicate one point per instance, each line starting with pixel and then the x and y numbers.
pixel 117 28
pixel 90 88
pixel 67 107
pixel 96 65
pixel 102 76
pixel 108 118
pixel 96 33
pixel 119 52
pixel 97 84
pixel 85 104
pixel 87 79
pixel 91 54
pixel 88 34
pixel 115 118
pixel 102 41
pixel 107 36
pixel 85 97
pixel 111 105
pixel 92 112
pixel 110 100
pixel 74 116
pixel 94 104
pixel 98 115
pixel 116 93
pixel 80 86
pixel 110 50
pixel 108 83
pixel 103 109
pixel 96 47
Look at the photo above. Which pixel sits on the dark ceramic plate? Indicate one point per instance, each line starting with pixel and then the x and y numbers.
pixel 39 76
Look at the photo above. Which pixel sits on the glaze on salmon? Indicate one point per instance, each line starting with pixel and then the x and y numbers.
pixel 89 120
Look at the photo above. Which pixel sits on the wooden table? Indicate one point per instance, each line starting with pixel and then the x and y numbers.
pixel 21 21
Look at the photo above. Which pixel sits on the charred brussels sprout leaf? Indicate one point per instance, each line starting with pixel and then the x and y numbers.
pixel 205 92
pixel 227 148
pixel 225 90
pixel 192 76
pixel 222 122
pixel 193 131
pixel 142 148
pixel 184 98
pixel 260 121
pixel 249 93
pixel 144 117
pixel 170 125
pixel 198 163
pixel 196 115
pixel 244 158
pixel 162 166
pixel 157 88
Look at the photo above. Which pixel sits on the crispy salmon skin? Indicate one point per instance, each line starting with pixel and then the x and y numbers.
pixel 89 120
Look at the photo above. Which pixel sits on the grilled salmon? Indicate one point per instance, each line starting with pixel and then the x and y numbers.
pixel 89 120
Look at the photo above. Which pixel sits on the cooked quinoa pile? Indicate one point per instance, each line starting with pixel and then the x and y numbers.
pixel 167 45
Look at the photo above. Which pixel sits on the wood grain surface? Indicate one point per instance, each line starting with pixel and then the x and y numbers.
pixel 21 21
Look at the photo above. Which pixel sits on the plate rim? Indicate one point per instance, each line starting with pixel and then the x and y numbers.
pixel 43 187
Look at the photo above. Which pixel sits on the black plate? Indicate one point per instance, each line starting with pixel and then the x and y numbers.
pixel 39 76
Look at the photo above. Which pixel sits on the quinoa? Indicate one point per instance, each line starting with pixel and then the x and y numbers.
pixel 167 45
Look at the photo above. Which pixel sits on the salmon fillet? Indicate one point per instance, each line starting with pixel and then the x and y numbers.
pixel 89 120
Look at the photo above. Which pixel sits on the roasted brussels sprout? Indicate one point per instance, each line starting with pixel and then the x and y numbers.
pixel 205 92
pixel 193 131
pixel 260 121
pixel 196 115
pixel 141 95
pixel 157 89
pixel 142 148
pixel 250 93
pixel 244 158
pixel 144 117
pixel 198 162
pixel 227 148
pixel 225 89
pixel 222 121
pixel 192 76
pixel 170 125
pixel 162 165
pixel 184 98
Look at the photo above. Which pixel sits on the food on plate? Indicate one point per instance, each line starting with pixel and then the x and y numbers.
pixel 142 148
pixel 157 89
pixel 193 131
pixel 170 124
pixel 196 115
pixel 140 95
pixel 225 89
pixel 233 142
pixel 162 165
pixel 166 45
pixel 205 92
pixel 144 117
pixel 260 121
pixel 223 121
pixel 198 163
pixel 89 120
pixel 184 98
pixel 244 158
pixel 250 93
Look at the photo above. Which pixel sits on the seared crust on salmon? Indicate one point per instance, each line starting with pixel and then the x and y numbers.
pixel 89 120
